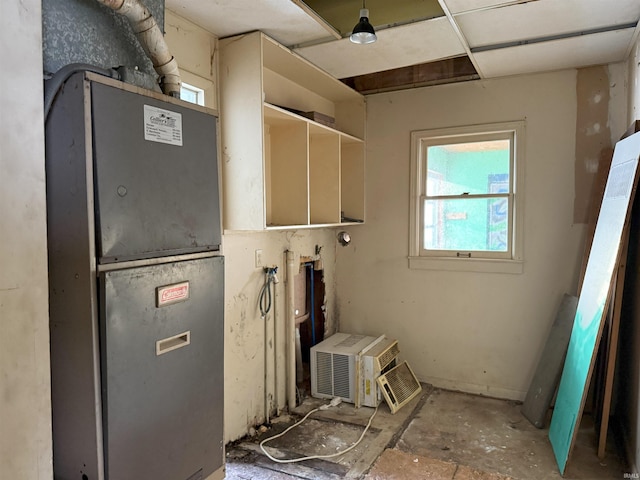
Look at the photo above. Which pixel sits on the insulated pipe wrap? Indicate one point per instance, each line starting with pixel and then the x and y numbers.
pixel 152 41
pixel 115 4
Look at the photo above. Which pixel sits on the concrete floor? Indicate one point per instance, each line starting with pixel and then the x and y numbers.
pixel 440 435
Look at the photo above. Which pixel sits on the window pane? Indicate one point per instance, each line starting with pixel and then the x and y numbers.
pixel 468 224
pixel 468 168
pixel 188 95
pixel 192 94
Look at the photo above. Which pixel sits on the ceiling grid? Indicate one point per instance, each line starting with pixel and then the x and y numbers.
pixel 499 37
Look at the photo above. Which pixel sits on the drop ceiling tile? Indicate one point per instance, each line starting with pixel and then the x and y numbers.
pixel 410 44
pixel 458 6
pixel 543 18
pixel 282 20
pixel 575 52
pixel 343 14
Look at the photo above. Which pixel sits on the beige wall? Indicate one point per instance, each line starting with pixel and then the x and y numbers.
pixel 634 84
pixel 476 332
pixel 447 330
pixel 250 369
pixel 195 50
pixel 247 333
pixel 25 405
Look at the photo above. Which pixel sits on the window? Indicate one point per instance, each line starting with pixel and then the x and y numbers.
pixel 466 198
pixel 192 94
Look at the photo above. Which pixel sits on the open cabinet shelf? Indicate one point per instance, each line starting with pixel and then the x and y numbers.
pixel 292 140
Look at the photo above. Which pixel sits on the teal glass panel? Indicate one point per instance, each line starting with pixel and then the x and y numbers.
pixel 467 224
pixel 464 168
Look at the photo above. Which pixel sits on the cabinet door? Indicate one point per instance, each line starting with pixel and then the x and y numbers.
pixel 162 370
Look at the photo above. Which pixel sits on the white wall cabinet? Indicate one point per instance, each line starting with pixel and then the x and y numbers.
pixel 280 168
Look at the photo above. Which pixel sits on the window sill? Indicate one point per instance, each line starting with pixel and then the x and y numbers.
pixel 480 265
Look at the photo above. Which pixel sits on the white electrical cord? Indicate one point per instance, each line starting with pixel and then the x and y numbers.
pixel 333 403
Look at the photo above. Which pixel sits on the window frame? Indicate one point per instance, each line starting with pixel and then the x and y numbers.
pixel 201 83
pixel 199 93
pixel 481 260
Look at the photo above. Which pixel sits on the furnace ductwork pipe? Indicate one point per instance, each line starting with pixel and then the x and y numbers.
pixel 152 41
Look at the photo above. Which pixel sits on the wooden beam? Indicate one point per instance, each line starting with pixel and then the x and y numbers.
pixel 443 71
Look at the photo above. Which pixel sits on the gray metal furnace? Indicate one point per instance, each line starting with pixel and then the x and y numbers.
pixel 136 285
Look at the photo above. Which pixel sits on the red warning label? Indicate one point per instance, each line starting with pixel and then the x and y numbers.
pixel 178 292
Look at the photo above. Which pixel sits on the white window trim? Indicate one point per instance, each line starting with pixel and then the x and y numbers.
pixel 513 265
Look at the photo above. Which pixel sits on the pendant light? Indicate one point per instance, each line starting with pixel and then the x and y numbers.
pixel 363 32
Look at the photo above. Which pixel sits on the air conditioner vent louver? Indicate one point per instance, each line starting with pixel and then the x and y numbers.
pixel 341 380
pixel 323 373
pixel 399 385
pixel 386 357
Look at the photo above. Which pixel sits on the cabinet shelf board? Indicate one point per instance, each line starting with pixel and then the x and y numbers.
pixel 278 116
pixel 345 138
pixel 322 130
pixel 291 65
pixel 274 114
pixel 310 225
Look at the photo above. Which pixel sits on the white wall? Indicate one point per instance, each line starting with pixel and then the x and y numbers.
pixel 246 333
pixel 476 332
pixel 447 330
pixel 634 84
pixel 25 399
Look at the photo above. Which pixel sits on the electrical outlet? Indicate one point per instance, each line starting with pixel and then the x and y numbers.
pixel 259 263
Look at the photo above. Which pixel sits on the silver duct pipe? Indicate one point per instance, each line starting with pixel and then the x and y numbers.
pixel 152 41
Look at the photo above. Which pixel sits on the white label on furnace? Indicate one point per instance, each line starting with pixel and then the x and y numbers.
pixel 162 126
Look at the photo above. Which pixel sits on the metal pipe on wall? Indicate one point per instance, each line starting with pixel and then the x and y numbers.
pixel 290 329
pixel 274 399
pixel 267 416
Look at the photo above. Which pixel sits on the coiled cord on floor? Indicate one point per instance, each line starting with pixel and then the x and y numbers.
pixel 311 457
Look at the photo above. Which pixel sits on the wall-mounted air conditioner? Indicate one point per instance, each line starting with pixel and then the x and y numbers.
pixel 347 366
